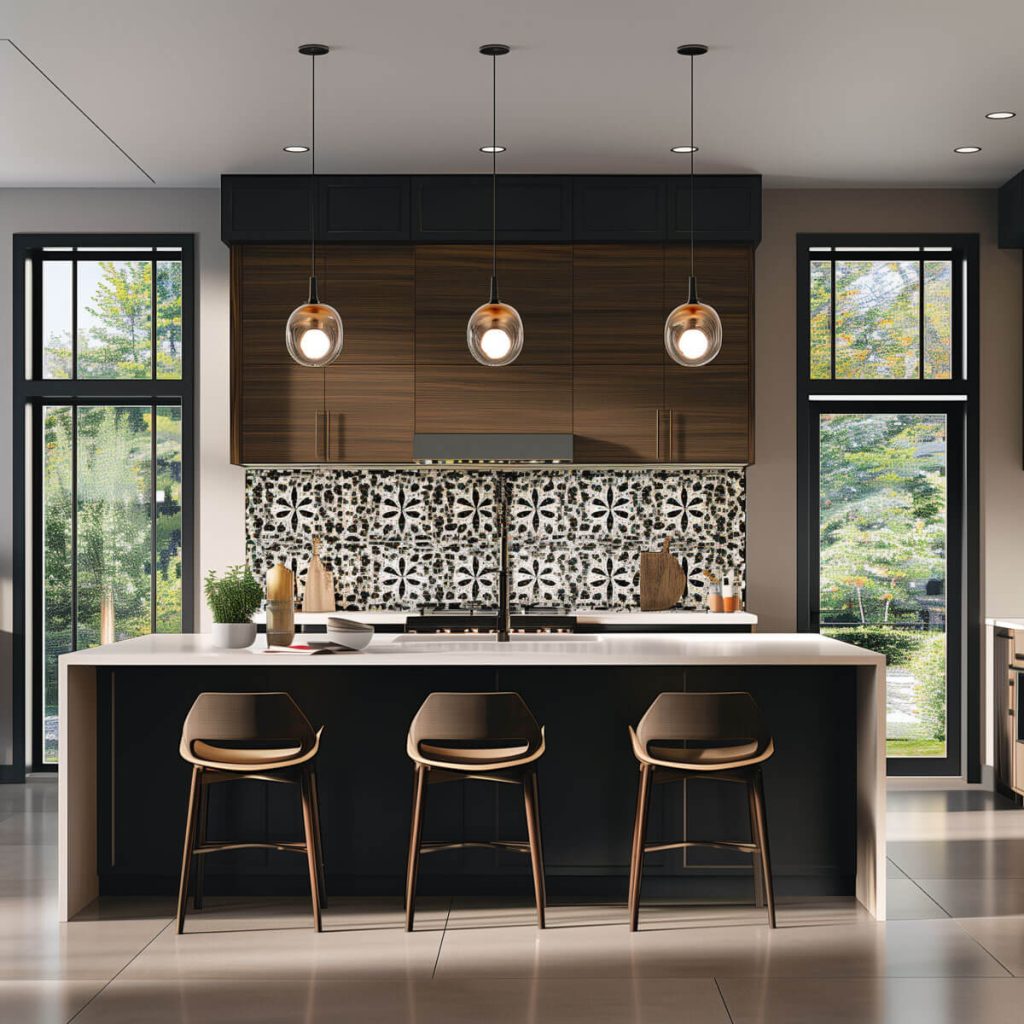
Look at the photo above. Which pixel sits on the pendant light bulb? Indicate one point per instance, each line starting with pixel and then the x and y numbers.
pixel 314 334
pixel 494 333
pixel 693 330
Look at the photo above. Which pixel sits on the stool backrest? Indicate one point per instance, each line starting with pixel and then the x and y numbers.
pixel 246 717
pixel 463 717
pixel 701 717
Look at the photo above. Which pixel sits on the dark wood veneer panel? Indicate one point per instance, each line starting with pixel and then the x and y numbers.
pixel 279 410
pixel 710 410
pixel 370 413
pixel 615 413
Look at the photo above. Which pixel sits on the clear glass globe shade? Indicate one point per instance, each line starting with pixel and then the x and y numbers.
pixel 693 334
pixel 314 334
pixel 495 334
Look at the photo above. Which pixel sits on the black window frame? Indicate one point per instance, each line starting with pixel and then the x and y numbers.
pixel 31 392
pixel 959 392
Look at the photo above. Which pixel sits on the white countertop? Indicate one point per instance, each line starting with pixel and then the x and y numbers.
pixel 405 649
pixel 672 617
pixel 1006 623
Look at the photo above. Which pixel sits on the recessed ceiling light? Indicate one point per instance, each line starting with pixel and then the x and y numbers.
pixel 686 149
pixel 492 149
pixel 296 149
pixel 1000 115
pixel 967 149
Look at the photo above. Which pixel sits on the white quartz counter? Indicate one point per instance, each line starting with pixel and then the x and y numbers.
pixel 523 649
pixel 631 618
pixel 1006 623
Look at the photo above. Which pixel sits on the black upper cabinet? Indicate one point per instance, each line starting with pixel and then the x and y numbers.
pixel 364 208
pixel 727 208
pixel 457 208
pixel 1011 213
pixel 620 209
pixel 264 208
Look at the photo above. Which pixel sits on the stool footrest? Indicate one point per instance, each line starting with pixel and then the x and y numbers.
pixel 723 844
pixel 219 847
pixel 496 844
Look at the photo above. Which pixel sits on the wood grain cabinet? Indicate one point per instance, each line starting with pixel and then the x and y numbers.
pixel 369 413
pixel 618 414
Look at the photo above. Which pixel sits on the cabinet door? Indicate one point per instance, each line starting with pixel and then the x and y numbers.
pixel 369 413
pixel 452 280
pixel 282 419
pixel 484 399
pixel 709 414
pixel 618 414
pixel 372 287
pixel 618 300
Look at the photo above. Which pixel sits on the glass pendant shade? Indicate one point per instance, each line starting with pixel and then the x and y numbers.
pixel 314 334
pixel 693 332
pixel 495 334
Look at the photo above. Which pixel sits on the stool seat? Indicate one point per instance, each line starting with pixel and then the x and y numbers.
pixel 739 755
pixel 488 758
pixel 214 755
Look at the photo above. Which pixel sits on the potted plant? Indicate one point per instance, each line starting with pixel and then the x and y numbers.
pixel 233 599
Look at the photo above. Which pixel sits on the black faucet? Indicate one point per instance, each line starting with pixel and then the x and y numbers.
pixel 504 610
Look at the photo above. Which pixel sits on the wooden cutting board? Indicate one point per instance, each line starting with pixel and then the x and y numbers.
pixel 319 593
pixel 662 580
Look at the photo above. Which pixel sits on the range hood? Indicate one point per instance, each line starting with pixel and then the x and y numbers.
pixel 515 449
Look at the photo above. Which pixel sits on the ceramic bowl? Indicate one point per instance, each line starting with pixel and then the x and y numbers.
pixel 349 633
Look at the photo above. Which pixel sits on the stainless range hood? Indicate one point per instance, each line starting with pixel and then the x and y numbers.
pixel 507 449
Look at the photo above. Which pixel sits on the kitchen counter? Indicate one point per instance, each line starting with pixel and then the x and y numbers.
pixel 1006 623
pixel 629 619
pixel 584 688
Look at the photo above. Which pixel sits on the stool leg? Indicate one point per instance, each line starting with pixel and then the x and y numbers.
pixel 186 856
pixel 307 821
pixel 531 798
pixel 415 833
pixel 762 841
pixel 318 836
pixel 636 865
pixel 204 815
pixel 757 862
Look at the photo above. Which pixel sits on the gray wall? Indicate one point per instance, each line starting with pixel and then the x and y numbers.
pixel 220 487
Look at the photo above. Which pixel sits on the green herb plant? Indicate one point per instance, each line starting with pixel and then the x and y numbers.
pixel 235 596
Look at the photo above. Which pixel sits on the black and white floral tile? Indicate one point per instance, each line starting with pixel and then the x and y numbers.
pixel 396 539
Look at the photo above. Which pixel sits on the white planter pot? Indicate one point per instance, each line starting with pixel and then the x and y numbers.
pixel 234 634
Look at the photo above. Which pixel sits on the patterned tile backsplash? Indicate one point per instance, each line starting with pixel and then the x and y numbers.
pixel 396 539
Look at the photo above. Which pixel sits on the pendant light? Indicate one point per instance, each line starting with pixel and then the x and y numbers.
pixel 314 333
pixel 693 331
pixel 495 330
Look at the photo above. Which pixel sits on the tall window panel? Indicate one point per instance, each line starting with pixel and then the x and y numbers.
pixel 106 383
pixel 887 451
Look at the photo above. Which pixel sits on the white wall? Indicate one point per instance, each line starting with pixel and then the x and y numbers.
pixel 220 486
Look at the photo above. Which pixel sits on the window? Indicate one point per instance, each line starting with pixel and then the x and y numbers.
pixel 888 474
pixel 106 382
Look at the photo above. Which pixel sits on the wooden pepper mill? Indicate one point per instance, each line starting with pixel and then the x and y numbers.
pixel 319 593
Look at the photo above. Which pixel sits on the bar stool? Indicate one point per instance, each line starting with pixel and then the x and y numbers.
pixel 232 736
pixel 710 735
pixel 488 736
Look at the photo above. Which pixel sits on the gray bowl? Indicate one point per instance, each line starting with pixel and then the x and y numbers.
pixel 348 632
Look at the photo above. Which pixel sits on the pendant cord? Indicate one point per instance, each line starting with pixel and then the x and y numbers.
pixel 691 166
pixel 494 171
pixel 312 174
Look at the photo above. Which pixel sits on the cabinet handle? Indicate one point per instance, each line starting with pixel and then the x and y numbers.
pixel 320 449
pixel 671 435
pixel 657 435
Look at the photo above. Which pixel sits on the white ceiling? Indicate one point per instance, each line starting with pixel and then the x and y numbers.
pixel 806 92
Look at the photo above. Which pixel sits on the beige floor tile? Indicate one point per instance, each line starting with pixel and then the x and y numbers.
pixel 27 828
pixel 813 940
pixel 1003 937
pixel 893 871
pixel 44 1002
pixel 697 1001
pixel 976 897
pixel 20 863
pixel 275 940
pixel 873 1001
pixel 907 901
pixel 959 858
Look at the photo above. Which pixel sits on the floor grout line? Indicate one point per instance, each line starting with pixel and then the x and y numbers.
pixel 983 947
pixel 121 970
pixel 928 895
pixel 725 1005
pixel 444 932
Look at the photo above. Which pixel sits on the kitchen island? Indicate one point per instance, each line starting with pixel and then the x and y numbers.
pixel 123 786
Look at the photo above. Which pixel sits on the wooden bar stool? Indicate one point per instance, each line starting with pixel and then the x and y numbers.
pixel 711 735
pixel 488 736
pixel 232 736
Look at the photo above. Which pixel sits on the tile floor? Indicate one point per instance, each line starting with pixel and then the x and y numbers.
pixel 953 950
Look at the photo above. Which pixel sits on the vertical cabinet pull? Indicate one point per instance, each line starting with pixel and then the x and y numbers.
pixel 657 434
pixel 320 445
pixel 671 435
